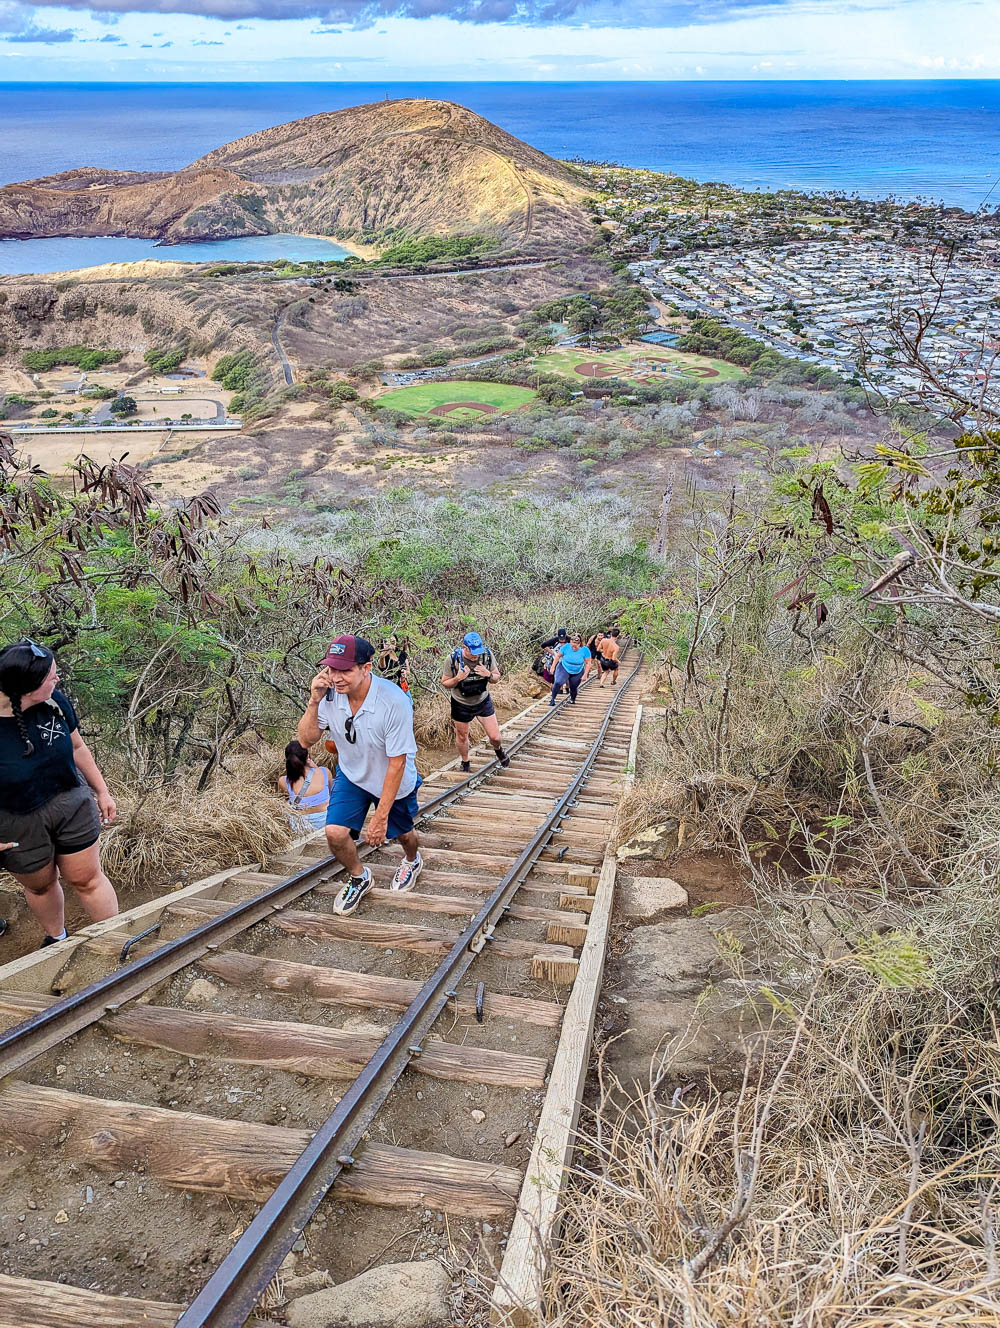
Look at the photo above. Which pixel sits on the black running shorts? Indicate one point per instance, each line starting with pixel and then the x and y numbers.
pixel 608 664
pixel 465 714
pixel 67 823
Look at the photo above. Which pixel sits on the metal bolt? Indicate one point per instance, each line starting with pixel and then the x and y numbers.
pixel 345 1160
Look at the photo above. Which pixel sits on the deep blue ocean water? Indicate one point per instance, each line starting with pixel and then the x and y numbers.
pixel 932 139
pixel 921 139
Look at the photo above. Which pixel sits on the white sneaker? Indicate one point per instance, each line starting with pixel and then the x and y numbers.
pixel 353 892
pixel 407 873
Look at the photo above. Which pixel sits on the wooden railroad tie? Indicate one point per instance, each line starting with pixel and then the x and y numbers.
pixel 425 940
pixel 341 986
pixel 395 935
pixel 244 1160
pixel 309 1049
pixel 26 1303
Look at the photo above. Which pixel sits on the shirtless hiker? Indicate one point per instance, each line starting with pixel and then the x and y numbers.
pixel 608 660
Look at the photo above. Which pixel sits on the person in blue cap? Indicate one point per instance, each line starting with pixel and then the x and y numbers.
pixel 467 677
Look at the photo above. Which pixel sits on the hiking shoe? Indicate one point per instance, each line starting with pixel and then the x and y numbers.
pixel 407 873
pixel 48 940
pixel 502 756
pixel 552 703
pixel 466 767
pixel 353 893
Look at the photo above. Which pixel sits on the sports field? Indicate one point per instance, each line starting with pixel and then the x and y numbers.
pixel 457 401
pixel 636 363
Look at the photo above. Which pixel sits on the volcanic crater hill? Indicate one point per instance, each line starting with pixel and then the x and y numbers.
pixel 370 173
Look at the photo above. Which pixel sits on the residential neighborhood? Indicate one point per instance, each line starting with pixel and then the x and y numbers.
pixel 834 304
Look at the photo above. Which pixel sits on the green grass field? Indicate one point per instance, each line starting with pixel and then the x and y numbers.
pixel 636 364
pixel 458 400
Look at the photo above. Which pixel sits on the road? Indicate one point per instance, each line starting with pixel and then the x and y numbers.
pixel 286 367
pixel 144 427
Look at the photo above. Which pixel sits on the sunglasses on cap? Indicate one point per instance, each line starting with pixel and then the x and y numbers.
pixel 38 651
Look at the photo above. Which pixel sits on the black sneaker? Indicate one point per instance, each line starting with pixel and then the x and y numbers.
pixel 353 893
pixel 49 940
pixel 466 767
pixel 3 926
pixel 502 756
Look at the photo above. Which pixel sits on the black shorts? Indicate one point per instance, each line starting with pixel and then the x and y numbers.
pixel 67 823
pixel 465 714
pixel 608 664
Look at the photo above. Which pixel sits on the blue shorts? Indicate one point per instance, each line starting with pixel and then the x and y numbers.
pixel 349 806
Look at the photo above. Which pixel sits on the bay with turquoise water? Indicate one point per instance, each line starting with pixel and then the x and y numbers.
pixel 936 140
pixel 64 253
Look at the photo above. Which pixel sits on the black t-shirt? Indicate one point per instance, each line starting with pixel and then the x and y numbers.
pixel 29 782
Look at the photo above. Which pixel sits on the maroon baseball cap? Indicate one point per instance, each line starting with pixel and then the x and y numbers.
pixel 346 651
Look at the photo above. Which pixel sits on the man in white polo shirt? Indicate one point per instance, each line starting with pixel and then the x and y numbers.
pixel 371 722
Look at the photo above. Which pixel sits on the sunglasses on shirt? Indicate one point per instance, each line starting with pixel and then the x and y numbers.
pixel 350 732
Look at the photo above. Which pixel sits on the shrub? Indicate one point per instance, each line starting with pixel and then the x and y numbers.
pixel 80 357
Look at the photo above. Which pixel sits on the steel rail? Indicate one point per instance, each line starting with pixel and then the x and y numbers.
pixel 229 1296
pixel 71 1014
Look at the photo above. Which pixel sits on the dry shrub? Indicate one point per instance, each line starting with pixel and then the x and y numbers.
pixel 851 1181
pixel 174 833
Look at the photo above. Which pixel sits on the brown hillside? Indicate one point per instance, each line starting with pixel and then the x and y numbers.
pixel 413 167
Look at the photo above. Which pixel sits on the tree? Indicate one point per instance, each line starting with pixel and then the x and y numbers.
pixel 123 406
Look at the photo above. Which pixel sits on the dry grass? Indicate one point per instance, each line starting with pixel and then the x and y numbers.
pixel 841 1186
pixel 175 834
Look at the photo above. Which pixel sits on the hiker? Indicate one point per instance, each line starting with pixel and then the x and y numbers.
pixel 306 785
pixel 372 723
pixel 53 798
pixel 609 660
pixel 467 676
pixel 561 636
pixel 572 668
pixel 594 646
pixel 394 664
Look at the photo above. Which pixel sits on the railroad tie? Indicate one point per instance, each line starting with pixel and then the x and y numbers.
pixel 341 986
pixel 188 1151
pixel 27 1303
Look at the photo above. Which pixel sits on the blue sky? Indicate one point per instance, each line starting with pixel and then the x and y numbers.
pixel 343 40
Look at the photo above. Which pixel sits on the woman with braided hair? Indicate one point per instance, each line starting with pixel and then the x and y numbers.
pixel 53 798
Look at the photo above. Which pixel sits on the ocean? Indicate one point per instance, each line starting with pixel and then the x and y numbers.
pixel 937 140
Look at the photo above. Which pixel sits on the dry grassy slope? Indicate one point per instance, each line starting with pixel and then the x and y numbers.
pixel 121 203
pixel 134 307
pixel 414 165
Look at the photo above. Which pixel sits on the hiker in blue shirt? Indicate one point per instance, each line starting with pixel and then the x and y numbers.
pixel 572 669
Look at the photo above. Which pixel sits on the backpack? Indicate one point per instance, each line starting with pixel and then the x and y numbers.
pixel 474 684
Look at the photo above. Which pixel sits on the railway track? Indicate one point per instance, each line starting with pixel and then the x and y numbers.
pixel 265 1078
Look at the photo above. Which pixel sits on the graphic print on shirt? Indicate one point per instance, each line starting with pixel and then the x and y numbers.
pixel 51 731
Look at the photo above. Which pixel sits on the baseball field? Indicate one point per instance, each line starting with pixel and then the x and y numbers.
pixel 636 363
pixel 457 400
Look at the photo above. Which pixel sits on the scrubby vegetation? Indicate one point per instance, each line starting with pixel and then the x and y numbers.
pixel 827 647
pixel 245 374
pixel 78 357
pixel 188 638
pixel 165 361
pixel 435 248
